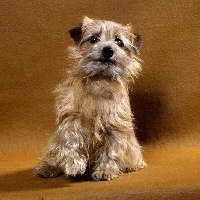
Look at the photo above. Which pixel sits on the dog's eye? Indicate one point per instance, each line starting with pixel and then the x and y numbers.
pixel 119 42
pixel 94 39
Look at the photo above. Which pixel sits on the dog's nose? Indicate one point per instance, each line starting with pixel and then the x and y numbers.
pixel 107 52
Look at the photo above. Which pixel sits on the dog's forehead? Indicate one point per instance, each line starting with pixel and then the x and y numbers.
pixel 109 28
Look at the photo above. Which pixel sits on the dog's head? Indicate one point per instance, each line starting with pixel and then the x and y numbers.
pixel 106 49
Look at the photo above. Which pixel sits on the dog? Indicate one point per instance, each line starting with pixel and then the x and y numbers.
pixel 95 124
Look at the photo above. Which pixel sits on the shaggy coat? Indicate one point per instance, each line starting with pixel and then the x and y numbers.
pixel 95 122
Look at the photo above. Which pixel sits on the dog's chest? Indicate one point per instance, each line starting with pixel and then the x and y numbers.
pixel 107 108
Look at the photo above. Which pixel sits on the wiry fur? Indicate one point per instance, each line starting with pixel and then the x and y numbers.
pixel 93 110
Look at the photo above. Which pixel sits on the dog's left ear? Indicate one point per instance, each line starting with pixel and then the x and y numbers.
pixel 135 38
pixel 137 42
pixel 76 33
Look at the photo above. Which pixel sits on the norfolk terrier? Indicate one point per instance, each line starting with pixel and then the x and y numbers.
pixel 95 123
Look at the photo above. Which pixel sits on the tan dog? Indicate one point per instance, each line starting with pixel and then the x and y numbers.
pixel 95 130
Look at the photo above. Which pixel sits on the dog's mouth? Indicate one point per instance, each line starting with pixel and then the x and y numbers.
pixel 106 61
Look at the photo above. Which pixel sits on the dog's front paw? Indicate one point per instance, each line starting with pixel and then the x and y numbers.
pixel 142 164
pixel 139 165
pixel 104 175
pixel 73 167
pixel 46 170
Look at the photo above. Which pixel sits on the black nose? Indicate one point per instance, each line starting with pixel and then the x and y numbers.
pixel 107 52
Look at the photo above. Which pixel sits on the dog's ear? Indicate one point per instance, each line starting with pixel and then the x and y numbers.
pixel 87 20
pixel 76 33
pixel 135 38
pixel 137 42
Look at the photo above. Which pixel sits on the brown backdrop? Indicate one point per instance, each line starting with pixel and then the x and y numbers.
pixel 165 99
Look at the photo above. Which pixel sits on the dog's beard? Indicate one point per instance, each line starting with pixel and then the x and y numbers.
pixel 102 69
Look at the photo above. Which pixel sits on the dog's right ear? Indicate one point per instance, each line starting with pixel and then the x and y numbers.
pixel 76 33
